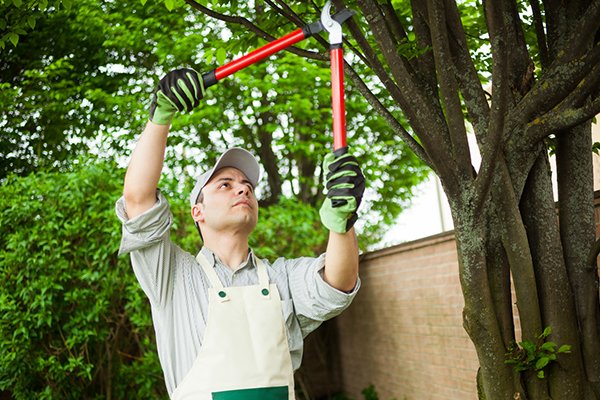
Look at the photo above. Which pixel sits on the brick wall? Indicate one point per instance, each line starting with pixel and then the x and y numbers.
pixel 404 333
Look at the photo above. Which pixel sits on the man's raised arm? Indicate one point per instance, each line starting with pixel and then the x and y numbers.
pixel 345 186
pixel 145 166
pixel 180 89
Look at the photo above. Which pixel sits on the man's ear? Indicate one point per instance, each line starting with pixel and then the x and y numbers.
pixel 198 212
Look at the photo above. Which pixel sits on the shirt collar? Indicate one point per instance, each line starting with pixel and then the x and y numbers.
pixel 215 260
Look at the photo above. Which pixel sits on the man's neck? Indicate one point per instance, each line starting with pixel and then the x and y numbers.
pixel 231 250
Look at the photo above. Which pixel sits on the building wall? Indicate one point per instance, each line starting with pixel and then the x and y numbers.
pixel 404 333
pixel 596 157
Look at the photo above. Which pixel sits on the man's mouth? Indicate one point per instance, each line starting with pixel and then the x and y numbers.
pixel 242 203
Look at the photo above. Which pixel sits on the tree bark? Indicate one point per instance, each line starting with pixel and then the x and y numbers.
pixel 479 319
pixel 576 213
pixel 516 245
pixel 556 300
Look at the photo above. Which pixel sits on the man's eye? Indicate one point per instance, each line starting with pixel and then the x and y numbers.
pixel 224 185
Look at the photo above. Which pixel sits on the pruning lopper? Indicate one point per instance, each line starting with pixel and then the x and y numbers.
pixel 330 23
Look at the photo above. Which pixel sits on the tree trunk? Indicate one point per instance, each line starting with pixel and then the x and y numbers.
pixel 479 319
pixel 576 212
pixel 565 376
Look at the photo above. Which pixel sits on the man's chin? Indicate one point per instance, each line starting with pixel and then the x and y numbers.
pixel 248 221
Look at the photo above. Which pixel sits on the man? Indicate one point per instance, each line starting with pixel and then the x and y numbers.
pixel 229 325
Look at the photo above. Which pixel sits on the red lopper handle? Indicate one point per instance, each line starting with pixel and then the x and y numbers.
pixel 260 53
pixel 337 97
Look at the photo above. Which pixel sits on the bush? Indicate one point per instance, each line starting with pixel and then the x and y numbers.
pixel 73 321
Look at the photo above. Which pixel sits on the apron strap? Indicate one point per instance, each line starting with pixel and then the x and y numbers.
pixel 209 271
pixel 263 277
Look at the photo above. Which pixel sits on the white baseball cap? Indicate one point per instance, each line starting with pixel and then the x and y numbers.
pixel 235 157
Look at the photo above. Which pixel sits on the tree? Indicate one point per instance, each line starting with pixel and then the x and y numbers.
pixel 82 80
pixel 76 77
pixel 18 16
pixel 433 60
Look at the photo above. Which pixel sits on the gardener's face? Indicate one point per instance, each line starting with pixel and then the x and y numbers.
pixel 229 204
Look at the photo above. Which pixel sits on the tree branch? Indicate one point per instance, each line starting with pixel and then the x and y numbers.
pixel 470 85
pixel 449 88
pixel 425 63
pixel 388 83
pixel 588 86
pixel 372 60
pixel 540 33
pixel 287 12
pixel 388 117
pixel 395 28
pixel 375 65
pixel 553 123
pixel 587 27
pixel 398 32
pixel 393 22
pixel 417 101
pixel 491 148
pixel 255 29
pixel 561 78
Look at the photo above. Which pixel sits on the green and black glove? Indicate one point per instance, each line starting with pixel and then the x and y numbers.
pixel 345 185
pixel 179 90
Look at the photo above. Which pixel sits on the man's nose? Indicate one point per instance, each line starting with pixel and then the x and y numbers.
pixel 243 190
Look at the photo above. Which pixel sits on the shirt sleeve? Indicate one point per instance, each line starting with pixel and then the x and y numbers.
pixel 314 299
pixel 146 239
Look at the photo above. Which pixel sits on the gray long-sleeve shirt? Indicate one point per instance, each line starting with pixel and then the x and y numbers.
pixel 177 289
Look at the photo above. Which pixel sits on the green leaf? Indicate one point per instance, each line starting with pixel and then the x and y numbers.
pixel 31 21
pixel 43 5
pixel 14 38
pixel 529 347
pixel 541 363
pixel 546 332
pixel 565 348
pixel 17 3
pixel 143 2
pixel 540 374
pixel 170 4
pixel 549 347
pixel 208 56
pixel 221 56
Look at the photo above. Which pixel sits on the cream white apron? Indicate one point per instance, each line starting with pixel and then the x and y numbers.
pixel 244 353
